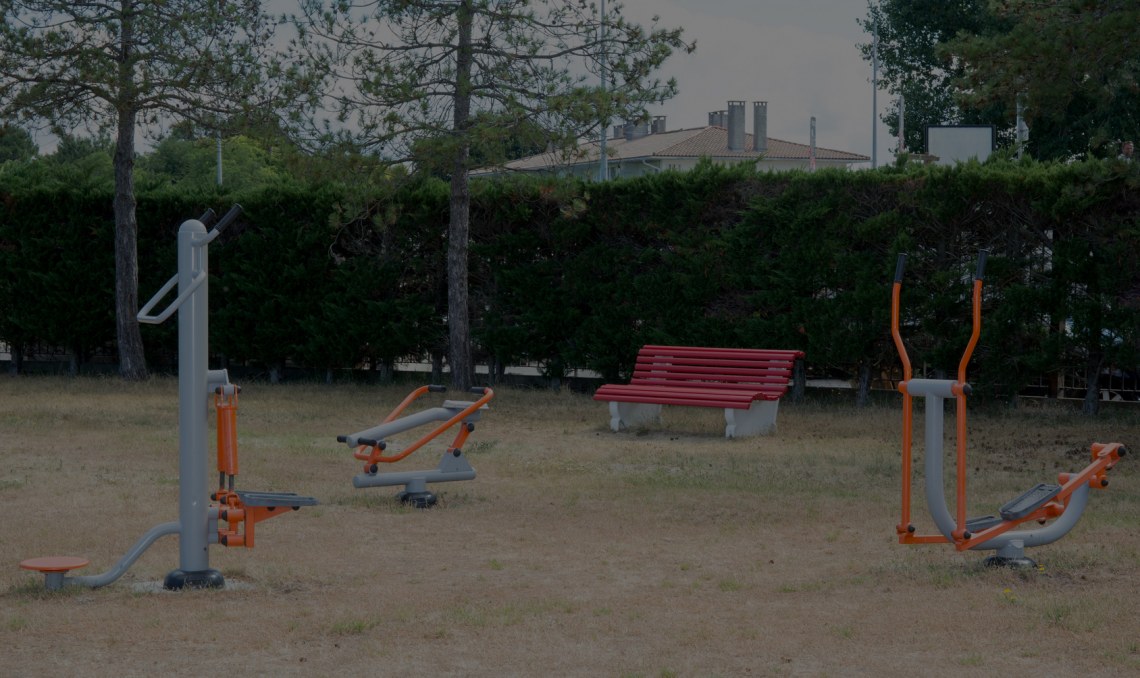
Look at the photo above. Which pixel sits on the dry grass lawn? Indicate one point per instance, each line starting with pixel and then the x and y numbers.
pixel 577 551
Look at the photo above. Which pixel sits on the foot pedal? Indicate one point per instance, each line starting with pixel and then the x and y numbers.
pixel 274 499
pixel 982 523
pixel 54 568
pixel 1029 502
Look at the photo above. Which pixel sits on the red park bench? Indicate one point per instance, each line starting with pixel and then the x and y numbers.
pixel 747 383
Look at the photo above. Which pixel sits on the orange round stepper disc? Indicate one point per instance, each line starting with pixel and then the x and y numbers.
pixel 54 563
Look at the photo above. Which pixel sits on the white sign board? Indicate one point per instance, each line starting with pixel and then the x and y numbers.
pixel 959 143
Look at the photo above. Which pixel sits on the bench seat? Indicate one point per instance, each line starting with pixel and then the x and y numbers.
pixel 746 383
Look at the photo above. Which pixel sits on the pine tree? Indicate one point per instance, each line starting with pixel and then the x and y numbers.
pixel 463 72
pixel 125 66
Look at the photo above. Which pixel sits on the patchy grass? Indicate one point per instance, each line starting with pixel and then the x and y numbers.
pixel 665 551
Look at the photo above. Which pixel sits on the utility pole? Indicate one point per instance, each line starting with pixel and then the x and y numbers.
pixel 219 157
pixel 902 124
pixel 603 161
pixel 875 95
pixel 1022 128
pixel 811 152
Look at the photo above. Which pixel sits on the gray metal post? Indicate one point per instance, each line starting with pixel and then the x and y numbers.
pixel 935 490
pixel 193 336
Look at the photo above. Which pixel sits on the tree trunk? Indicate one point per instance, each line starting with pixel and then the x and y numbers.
pixel 496 371
pixel 16 364
pixel 436 367
pixel 387 371
pixel 1092 383
pixel 458 320
pixel 863 391
pixel 132 360
pixel 799 381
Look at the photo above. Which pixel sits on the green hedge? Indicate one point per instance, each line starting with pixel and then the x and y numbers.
pixel 567 274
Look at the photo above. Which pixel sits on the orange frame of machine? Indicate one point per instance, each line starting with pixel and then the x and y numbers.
pixel 240 511
pixel 372 453
pixel 1094 475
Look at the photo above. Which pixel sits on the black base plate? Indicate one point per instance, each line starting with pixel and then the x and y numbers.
pixel 417 499
pixel 1019 563
pixel 203 579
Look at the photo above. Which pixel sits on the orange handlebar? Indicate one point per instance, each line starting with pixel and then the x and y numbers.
pixel 904 527
pixel 374 454
pixel 407 401
pixel 896 291
pixel 977 316
pixel 974 334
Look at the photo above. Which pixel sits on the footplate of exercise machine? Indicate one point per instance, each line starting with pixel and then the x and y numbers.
pixel 982 523
pixel 1027 503
pixel 274 499
pixel 242 510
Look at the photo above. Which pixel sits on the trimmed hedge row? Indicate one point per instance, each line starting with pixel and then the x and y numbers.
pixel 568 274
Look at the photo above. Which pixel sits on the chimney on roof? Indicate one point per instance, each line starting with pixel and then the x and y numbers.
pixel 658 124
pixel 636 130
pixel 760 126
pixel 717 118
pixel 736 125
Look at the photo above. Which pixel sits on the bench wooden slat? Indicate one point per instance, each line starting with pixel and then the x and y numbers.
pixel 755 353
pixel 697 387
pixel 739 393
pixel 694 397
pixel 716 363
pixel 723 376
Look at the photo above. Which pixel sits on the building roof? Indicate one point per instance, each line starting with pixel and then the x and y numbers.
pixel 684 143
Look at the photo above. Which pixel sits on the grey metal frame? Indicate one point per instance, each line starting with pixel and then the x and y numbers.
pixel 197 520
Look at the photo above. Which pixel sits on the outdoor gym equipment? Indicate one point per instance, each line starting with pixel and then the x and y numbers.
pixel 371 446
pixel 1063 502
pixel 198 523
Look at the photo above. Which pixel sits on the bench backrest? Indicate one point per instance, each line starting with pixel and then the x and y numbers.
pixel 718 368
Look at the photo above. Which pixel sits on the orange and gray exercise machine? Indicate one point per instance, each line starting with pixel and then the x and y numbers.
pixel 372 447
pixel 230 522
pixel 1062 502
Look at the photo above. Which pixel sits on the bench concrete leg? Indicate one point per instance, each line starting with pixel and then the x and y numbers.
pixel 756 420
pixel 627 415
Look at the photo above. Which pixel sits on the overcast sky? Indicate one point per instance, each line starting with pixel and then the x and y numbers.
pixel 800 56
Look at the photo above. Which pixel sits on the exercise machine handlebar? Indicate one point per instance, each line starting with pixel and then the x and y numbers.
pixel 957 389
pixel 976 303
pixel 145 314
pixel 900 266
pixel 228 218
